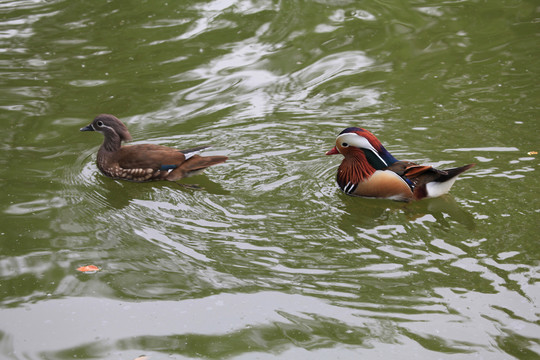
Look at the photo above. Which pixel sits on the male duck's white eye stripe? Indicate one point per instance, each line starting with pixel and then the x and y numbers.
pixel 360 142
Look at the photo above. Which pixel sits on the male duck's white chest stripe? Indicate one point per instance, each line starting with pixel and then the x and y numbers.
pixel 349 188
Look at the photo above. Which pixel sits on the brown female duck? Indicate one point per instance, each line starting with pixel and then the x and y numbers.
pixel 144 162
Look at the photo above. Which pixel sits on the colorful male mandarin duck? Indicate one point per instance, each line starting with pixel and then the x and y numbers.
pixel 370 170
pixel 145 162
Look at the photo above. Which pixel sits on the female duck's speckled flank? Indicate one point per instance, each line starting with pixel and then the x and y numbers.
pixel 370 170
pixel 145 162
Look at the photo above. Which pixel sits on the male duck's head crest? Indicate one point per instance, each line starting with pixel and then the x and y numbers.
pixel 375 143
pixel 353 140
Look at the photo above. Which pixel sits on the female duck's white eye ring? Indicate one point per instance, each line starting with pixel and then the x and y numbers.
pixel 100 123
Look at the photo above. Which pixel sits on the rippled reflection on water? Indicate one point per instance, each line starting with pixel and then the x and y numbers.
pixel 269 259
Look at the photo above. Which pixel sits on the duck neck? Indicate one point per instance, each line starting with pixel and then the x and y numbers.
pixel 389 158
pixel 354 169
pixel 112 141
pixel 380 160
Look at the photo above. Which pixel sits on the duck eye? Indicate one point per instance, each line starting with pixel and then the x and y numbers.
pixel 100 123
pixel 344 144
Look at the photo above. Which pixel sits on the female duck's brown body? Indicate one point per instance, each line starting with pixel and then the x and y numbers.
pixel 145 162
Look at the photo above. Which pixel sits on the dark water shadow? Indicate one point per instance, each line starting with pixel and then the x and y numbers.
pixel 369 213
pixel 118 194
pixel 445 209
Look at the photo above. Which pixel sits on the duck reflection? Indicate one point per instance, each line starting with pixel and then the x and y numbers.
pixel 118 194
pixel 445 209
pixel 369 213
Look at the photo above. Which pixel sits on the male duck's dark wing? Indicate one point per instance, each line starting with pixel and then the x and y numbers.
pixel 419 176
pixel 416 173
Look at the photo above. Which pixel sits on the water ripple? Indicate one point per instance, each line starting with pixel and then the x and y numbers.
pixel 268 258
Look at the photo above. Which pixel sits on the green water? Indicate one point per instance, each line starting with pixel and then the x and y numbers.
pixel 269 260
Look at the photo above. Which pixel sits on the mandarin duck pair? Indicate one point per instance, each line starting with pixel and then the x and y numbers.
pixel 368 169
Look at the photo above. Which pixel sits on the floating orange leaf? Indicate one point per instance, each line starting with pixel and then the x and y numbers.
pixel 532 153
pixel 88 269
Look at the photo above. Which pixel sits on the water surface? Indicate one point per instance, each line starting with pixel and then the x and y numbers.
pixel 269 260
